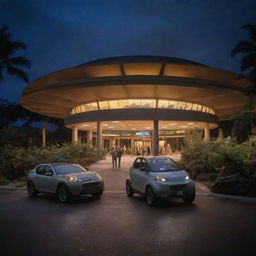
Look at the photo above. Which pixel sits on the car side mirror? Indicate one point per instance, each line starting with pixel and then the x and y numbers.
pixel 143 169
pixel 49 173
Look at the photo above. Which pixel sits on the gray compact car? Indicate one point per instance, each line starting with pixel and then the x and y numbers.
pixel 159 177
pixel 64 179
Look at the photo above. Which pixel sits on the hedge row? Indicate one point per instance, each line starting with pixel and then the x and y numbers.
pixel 16 161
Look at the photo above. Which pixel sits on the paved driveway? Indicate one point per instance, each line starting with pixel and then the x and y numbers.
pixel 118 225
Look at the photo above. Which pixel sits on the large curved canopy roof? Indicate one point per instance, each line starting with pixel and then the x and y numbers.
pixel 157 77
pixel 141 58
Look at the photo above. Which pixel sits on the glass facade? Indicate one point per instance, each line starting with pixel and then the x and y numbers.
pixel 141 103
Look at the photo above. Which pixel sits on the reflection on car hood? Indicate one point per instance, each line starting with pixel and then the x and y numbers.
pixel 170 175
pixel 84 176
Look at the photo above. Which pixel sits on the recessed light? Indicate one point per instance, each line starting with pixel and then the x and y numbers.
pixel 115 121
pixel 190 123
pixel 173 124
pixel 183 126
pixel 86 125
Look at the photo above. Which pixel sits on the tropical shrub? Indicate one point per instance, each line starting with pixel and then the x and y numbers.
pixel 16 161
pixel 231 167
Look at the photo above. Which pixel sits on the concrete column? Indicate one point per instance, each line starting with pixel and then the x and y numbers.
pixel 43 133
pixel 206 131
pixel 99 134
pixel 112 143
pixel 74 134
pixel 132 144
pixel 89 137
pixel 221 135
pixel 155 139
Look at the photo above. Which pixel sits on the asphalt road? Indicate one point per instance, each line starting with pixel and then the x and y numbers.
pixel 118 225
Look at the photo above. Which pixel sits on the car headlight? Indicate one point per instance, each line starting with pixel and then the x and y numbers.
pixel 160 178
pixel 71 178
pixel 187 177
pixel 98 176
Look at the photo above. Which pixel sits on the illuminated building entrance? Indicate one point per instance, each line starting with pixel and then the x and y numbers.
pixel 113 99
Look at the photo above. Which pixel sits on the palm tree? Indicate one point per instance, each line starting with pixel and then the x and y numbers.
pixel 245 119
pixel 248 47
pixel 8 62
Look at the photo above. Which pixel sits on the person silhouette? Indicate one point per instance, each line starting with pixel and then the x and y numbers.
pixel 119 155
pixel 114 157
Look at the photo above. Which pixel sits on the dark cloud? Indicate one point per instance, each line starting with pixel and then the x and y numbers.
pixel 65 33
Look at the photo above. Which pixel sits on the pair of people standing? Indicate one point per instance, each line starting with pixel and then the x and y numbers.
pixel 116 155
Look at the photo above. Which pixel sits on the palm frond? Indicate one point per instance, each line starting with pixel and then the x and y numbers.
pixel 18 73
pixel 244 47
pixel 17 61
pixel 4 32
pixel 16 45
pixel 251 30
pixel 248 62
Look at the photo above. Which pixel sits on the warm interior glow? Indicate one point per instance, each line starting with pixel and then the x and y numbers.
pixel 143 125
pixel 140 103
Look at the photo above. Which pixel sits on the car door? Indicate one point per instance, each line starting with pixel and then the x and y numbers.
pixel 48 180
pixel 37 178
pixel 134 172
pixel 142 175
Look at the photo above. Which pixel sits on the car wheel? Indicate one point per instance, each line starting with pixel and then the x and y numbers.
pixel 150 196
pixel 63 194
pixel 129 190
pixel 189 198
pixel 32 192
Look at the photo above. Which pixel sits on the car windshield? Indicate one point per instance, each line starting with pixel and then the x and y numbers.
pixel 162 165
pixel 68 168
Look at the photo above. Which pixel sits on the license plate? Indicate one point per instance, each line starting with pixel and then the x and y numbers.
pixel 179 193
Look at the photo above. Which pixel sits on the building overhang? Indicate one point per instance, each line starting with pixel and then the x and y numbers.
pixel 57 93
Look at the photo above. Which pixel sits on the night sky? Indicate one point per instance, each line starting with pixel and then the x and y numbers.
pixel 65 33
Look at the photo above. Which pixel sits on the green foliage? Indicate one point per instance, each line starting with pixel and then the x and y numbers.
pixel 8 62
pixel 79 153
pixel 12 161
pixel 10 136
pixel 218 158
pixel 4 181
pixel 16 161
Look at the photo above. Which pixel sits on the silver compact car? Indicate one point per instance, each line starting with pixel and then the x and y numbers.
pixel 159 177
pixel 65 180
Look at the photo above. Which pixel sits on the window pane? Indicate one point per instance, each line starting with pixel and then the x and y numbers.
pixel 199 107
pixel 194 107
pixel 182 105
pixel 113 104
pixel 87 107
pixel 148 103
pixel 103 104
pixel 134 103
pixel 173 104
pixel 123 103
pixel 188 106
pixel 163 103
pixel 93 106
